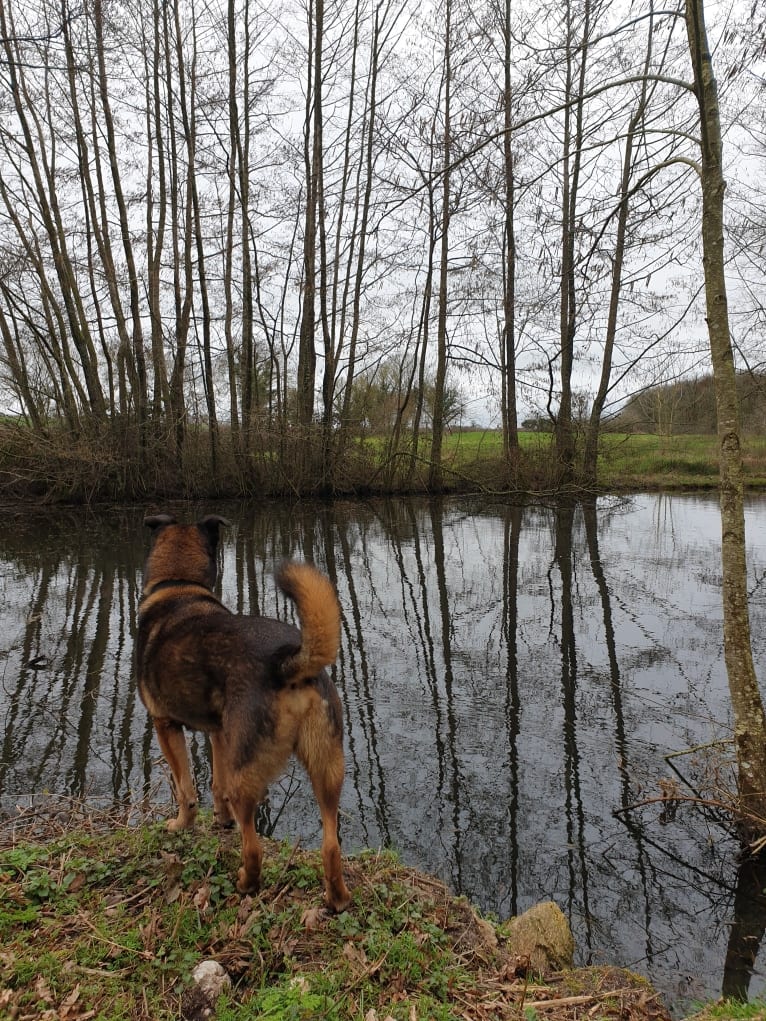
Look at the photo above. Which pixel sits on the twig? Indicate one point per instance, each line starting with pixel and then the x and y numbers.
pixel 727 807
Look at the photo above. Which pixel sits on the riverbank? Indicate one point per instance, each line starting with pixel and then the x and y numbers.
pixel 104 468
pixel 107 916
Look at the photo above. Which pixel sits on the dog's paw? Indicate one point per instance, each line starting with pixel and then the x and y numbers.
pixel 247 883
pixel 223 822
pixel 337 900
pixel 183 821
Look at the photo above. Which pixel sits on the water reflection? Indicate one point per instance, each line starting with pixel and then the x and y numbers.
pixel 512 679
pixel 747 927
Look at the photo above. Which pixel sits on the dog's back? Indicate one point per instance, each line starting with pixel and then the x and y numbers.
pixel 197 661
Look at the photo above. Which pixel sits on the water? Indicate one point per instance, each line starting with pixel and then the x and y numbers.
pixel 512 681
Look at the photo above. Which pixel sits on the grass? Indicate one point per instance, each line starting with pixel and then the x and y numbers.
pixel 730 1011
pixel 106 921
pixel 650 461
pixel 626 461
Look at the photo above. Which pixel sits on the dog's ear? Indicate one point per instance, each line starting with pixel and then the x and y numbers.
pixel 158 520
pixel 210 526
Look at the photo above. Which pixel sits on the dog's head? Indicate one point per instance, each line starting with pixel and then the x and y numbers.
pixel 184 553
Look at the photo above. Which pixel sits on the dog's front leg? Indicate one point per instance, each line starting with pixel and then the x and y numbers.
pixel 173 744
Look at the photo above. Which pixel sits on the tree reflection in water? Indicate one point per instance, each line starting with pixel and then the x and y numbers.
pixel 512 677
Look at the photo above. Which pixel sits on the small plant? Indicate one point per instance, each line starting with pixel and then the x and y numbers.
pixel 292 1002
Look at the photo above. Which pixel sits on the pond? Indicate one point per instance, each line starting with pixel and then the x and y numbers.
pixel 513 679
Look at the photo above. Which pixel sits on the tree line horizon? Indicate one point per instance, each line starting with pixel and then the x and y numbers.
pixel 272 224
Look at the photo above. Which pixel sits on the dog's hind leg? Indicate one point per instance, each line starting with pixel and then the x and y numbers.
pixel 173 744
pixel 243 805
pixel 321 753
pixel 223 816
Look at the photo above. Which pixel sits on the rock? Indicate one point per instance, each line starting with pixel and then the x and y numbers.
pixel 542 934
pixel 210 980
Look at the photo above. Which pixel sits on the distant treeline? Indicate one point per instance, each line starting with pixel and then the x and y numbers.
pixel 688 406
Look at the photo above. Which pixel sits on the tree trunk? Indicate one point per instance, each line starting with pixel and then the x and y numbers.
pixel 313 161
pixel 436 474
pixel 571 164
pixel 749 719
pixel 508 353
pixel 140 395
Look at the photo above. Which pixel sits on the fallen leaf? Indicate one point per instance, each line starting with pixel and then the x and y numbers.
pixel 173 893
pixel 202 899
pixel 77 883
pixel 312 918
pixel 244 909
pixel 73 997
pixel 42 990
pixel 354 953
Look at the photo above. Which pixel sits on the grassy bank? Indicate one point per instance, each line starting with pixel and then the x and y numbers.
pixel 108 467
pixel 106 919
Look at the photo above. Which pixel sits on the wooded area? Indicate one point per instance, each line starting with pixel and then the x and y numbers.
pixel 236 238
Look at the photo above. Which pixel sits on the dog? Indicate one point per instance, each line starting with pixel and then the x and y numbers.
pixel 256 685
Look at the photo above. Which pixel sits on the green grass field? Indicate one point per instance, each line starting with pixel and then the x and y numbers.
pixel 627 460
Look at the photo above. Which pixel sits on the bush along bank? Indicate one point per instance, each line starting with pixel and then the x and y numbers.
pixel 105 468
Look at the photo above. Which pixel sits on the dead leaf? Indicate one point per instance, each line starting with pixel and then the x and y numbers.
pixel 202 899
pixel 42 990
pixel 354 953
pixel 173 893
pixel 244 909
pixel 77 883
pixel 171 864
pixel 71 1010
pixel 73 997
pixel 312 918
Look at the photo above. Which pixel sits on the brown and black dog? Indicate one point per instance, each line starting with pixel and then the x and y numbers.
pixel 256 685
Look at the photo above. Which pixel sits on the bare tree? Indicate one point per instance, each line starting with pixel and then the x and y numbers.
pixel 749 718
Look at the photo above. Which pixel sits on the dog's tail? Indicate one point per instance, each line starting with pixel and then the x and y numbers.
pixel 319 614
